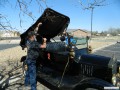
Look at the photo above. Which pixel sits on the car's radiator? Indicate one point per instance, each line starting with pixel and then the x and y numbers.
pixel 56 46
pixel 86 69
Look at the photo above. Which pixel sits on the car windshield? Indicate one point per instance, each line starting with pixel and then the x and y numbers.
pixel 81 42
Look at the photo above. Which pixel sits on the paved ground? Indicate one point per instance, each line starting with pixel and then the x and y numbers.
pixel 109 51
pixel 5 44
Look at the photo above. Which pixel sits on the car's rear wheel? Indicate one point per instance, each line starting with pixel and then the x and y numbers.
pixel 91 89
pixel 87 87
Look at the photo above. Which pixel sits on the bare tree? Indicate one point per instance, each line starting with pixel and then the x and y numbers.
pixel 4 23
pixel 91 5
pixel 23 6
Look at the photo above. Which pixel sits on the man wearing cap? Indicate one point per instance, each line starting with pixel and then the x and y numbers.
pixel 32 55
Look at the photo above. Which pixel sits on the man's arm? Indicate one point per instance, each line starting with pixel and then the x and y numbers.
pixel 36 29
pixel 44 43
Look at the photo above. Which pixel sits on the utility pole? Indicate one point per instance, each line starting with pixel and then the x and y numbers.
pixel 92 8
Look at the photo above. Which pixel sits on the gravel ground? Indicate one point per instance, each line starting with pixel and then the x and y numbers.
pixel 11 77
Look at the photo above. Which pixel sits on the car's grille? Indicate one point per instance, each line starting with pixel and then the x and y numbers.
pixel 86 69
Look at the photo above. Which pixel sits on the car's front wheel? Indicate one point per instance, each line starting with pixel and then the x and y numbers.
pixel 87 87
pixel 91 89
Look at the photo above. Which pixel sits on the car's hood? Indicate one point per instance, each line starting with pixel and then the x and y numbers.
pixel 53 23
pixel 95 59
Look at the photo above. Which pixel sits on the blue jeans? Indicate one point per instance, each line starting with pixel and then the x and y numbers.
pixel 30 78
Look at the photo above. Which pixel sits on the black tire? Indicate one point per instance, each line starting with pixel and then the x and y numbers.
pixel 87 87
pixel 91 89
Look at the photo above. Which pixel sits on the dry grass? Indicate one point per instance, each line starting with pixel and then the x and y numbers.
pixel 14 53
pixel 96 44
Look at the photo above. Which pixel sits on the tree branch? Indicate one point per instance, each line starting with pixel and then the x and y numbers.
pixel 92 4
pixel 6 24
pixel 24 7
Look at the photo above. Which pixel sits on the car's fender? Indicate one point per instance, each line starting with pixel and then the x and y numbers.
pixel 93 83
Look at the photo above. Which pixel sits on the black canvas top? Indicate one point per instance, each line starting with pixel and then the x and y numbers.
pixel 53 23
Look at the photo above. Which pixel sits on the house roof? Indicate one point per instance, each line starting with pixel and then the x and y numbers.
pixel 73 30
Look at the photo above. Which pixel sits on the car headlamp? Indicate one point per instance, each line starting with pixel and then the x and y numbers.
pixel 114 80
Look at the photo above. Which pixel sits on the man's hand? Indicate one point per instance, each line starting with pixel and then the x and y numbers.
pixel 44 40
pixel 39 24
pixel 44 43
pixel 37 27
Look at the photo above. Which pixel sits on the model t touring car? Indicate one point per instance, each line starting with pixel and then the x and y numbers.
pixel 69 66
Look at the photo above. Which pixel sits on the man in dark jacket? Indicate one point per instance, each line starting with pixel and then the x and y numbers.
pixel 32 55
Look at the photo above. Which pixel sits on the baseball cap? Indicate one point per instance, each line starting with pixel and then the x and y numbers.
pixel 31 33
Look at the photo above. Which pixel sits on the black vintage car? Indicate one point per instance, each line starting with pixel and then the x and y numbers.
pixel 65 66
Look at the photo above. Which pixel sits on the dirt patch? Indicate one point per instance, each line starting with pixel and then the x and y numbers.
pixel 96 44
pixel 14 53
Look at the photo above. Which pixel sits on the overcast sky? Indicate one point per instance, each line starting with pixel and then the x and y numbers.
pixel 104 17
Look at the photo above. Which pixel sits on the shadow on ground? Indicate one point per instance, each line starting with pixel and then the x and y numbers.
pixel 10 75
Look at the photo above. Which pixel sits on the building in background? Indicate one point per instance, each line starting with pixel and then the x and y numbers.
pixel 9 33
pixel 79 33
